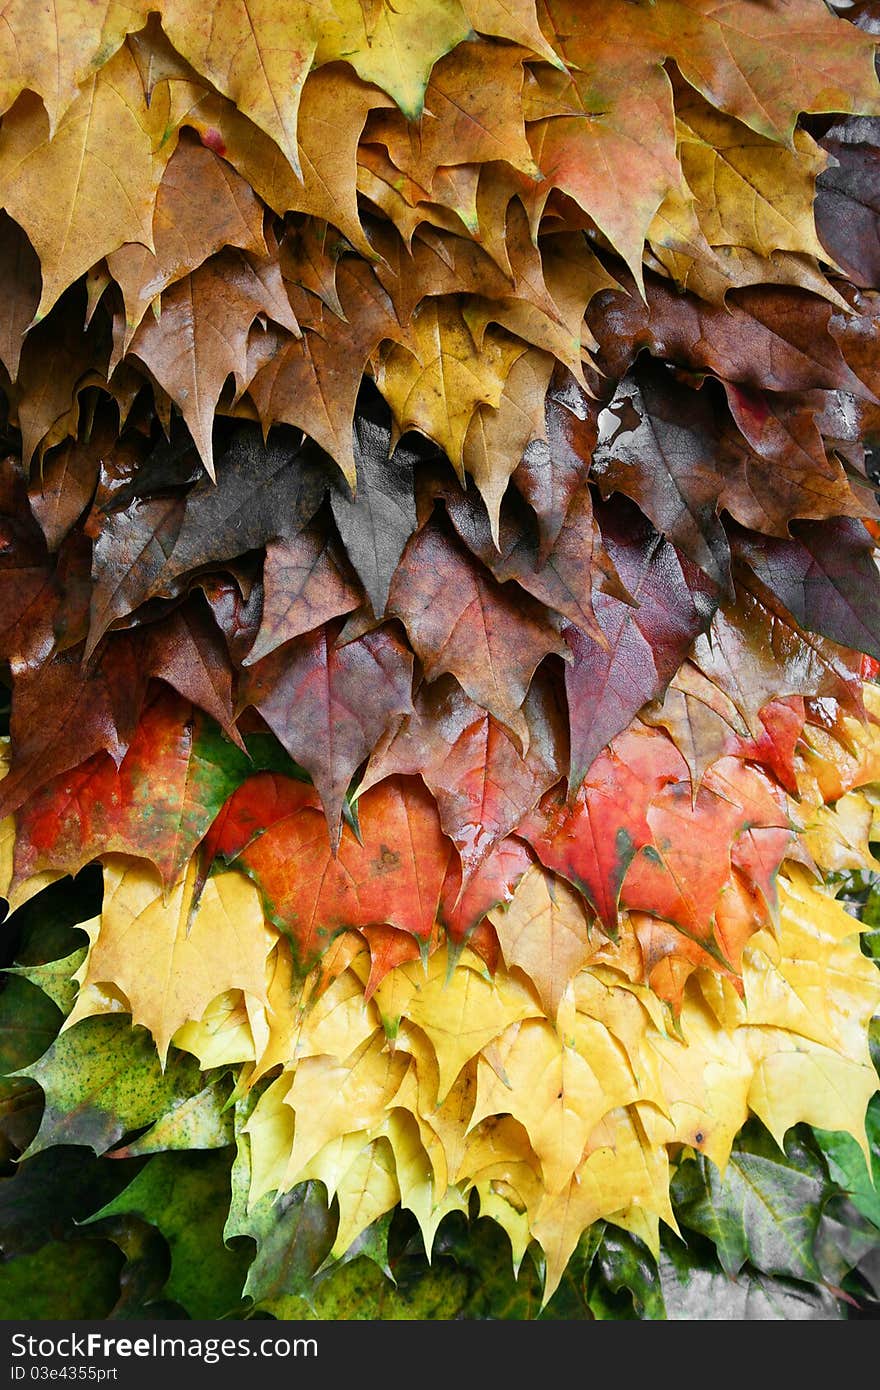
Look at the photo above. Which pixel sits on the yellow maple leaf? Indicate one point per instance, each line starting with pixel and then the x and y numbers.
pixel 437 381
pixel 168 967
pixel 52 49
pixel 366 1191
pixel 839 838
pixel 415 1176
pixel 256 53
pixel 511 1217
pixel 750 191
pixel 401 47
pixel 496 439
pixel 796 1080
pixel 269 1131
pixel 812 980
pixel 331 1097
pixel 545 930
pixel 623 1168
pixel 559 1094
pixel 224 1035
pixel 705 1074
pixel 89 187
pixel 463 1012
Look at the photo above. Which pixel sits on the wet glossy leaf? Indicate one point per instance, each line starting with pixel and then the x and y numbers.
pixel 826 577
pixel 658 446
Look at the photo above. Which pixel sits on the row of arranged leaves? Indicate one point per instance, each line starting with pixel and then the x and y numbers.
pixel 437 491
pixel 518 721
pixel 787 1232
pixel 473 1057
pixel 291 234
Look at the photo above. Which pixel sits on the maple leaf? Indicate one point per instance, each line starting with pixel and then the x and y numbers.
pixel 66 484
pixel 785 472
pixel 770 339
pixel 200 1121
pixel 644 641
pixel 377 523
pixel 562 579
pixel 755 654
pixel 747 62
pixel 168 963
pixel 511 19
pixel 626 1163
pixel 399 49
pixel 332 111
pixel 56 359
pixel 314 381
pixel 332 114
pixel 551 474
pixel 175 763
pixel 255 806
pixel 128 555
pixel 614 157
pixel 546 932
pixel 103 1078
pixel 329 704
pixel 577 840
pixel 847 198
pixel 436 382
pixel 461 620
pixel 826 578
pixel 482 783
pixel 437 263
pixel 463 908
pixel 29 597
pixel 559 1095
pixel 187 651
pixel 749 190
pixel 63 713
pixel 657 445
pixel 202 206
pixel 497 438
pixel 308 253
pixel 392 875
pixel 64 46
pixel 768 1188
pixel 551 289
pixel 677 240
pixel 201 335
pixel 683 875
pixel 100 168
pixel 473 114
pixel 184 1200
pixel 460 1022
pixel 254 55
pixel 704 723
pixel 143 548
pixel 306 583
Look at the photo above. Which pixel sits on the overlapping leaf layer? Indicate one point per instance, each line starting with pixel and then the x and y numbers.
pixel 439 589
